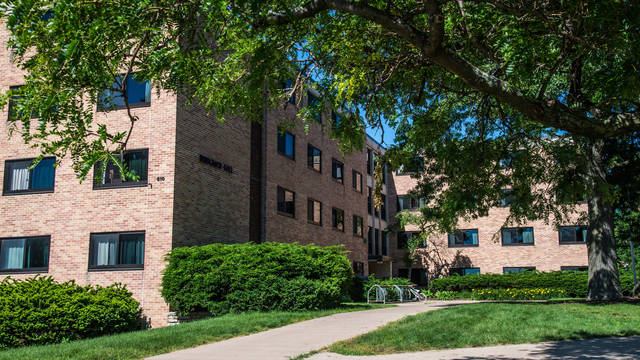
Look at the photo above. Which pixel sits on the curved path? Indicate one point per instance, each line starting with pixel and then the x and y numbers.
pixel 306 336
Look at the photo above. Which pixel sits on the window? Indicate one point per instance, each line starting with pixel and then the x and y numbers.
pixel 517 236
pixel 286 202
pixel 573 234
pixel 357 181
pixel 358 227
pixel 337 219
pixel 369 200
pixel 369 161
pixel 314 103
pixel 20 179
pixel 109 176
pixel 383 207
pixel 464 271
pixel 574 268
pixel 337 170
pixel 116 250
pixel 370 239
pixel 12 112
pixel 314 158
pixel 287 86
pixel 28 254
pixel 335 120
pixel 508 270
pixel 408 202
pixel 403 239
pixel 138 93
pixel 314 211
pixel 463 238
pixel 358 268
pixel 507 198
pixel 286 145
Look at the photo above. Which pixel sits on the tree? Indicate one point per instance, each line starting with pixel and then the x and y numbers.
pixel 543 86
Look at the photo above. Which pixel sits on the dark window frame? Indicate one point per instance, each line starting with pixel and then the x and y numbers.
pixel 316 113
pixel 7 181
pixel 101 108
pixel 462 231
pixel 335 162
pixel 575 235
pixel 517 229
pixel 454 271
pixel 32 270
pixel 361 227
pixel 527 268
pixel 574 268
pixel 310 155
pixel 117 267
pixel 283 135
pixel 310 214
pixel 278 208
pixel 334 223
pixel 369 161
pixel 354 183
pixel 123 184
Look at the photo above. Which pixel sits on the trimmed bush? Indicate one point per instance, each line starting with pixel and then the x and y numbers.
pixel 574 283
pixel 446 295
pixel 40 310
pixel 220 278
pixel 517 294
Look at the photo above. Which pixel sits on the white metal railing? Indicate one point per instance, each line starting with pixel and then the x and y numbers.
pixel 392 293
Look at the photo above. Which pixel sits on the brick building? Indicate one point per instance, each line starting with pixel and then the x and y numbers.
pixel 202 181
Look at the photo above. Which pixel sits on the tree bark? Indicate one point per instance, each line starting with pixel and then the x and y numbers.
pixel 604 283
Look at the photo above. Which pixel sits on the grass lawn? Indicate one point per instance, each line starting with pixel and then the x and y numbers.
pixel 140 344
pixel 487 324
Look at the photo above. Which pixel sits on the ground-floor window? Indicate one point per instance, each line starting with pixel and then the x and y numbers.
pixel 25 254
pixel 508 270
pixel 117 250
pixel 464 271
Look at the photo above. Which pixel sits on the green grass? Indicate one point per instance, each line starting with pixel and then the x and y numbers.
pixel 486 324
pixel 140 344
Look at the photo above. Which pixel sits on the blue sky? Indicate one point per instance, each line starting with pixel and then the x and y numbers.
pixel 389 134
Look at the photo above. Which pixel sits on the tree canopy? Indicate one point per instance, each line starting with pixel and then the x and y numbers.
pixel 541 98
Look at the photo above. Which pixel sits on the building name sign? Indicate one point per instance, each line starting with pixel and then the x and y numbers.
pixel 216 164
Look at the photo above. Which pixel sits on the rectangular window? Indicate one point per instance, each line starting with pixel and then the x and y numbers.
pixel 117 250
pixel 337 219
pixel 137 94
pixel 109 176
pixel 358 268
pixel 358 227
pixel 337 170
pixel 357 181
pixel 573 234
pixel 574 268
pixel 403 239
pixel 408 202
pixel 14 114
pixel 507 198
pixel 286 202
pixel 464 271
pixel 20 179
pixel 287 144
pixel 383 207
pixel 314 103
pixel 517 236
pixel 369 200
pixel 508 270
pixel 370 239
pixel 369 161
pixel 335 120
pixel 314 211
pixel 27 254
pixel 463 238
pixel 314 158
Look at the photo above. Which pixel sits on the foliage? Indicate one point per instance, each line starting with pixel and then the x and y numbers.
pixel 573 283
pixel 40 310
pixel 445 295
pixel 517 294
pixel 222 278
pixel 490 324
pixel 427 293
pixel 142 344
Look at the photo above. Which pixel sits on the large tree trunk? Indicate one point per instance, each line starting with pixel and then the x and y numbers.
pixel 604 283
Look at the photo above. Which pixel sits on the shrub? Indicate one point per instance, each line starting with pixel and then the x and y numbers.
pixel 222 278
pixel 517 294
pixel 427 293
pixel 446 295
pixel 385 283
pixel 574 283
pixel 40 310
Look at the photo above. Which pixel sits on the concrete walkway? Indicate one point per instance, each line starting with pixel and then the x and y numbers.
pixel 306 336
pixel 605 348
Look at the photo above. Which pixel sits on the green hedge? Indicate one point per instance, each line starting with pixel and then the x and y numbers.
pixel 220 278
pixel 40 310
pixel 574 283
pixel 517 294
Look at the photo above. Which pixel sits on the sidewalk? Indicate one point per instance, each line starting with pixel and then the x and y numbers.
pixel 303 337
pixel 604 348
